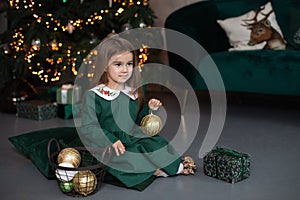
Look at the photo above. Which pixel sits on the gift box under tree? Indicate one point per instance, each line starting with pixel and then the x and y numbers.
pixel 36 109
pixel 68 94
pixel 227 165
pixel 68 111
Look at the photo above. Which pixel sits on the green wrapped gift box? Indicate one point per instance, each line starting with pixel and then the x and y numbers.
pixel 68 111
pixel 36 109
pixel 68 94
pixel 227 165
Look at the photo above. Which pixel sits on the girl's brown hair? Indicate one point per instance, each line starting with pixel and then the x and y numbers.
pixel 115 45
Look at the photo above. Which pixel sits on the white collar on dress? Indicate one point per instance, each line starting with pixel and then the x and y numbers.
pixel 111 94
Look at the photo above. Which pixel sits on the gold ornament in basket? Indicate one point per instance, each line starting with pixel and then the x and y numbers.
pixel 69 155
pixel 85 182
pixel 151 124
pixel 87 176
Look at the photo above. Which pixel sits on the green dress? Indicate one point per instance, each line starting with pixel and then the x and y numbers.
pixel 111 115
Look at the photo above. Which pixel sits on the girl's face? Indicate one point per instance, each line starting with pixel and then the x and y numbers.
pixel 119 70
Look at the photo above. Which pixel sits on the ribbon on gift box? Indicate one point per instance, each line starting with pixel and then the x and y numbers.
pixel 64 96
pixel 223 151
pixel 67 86
pixel 65 89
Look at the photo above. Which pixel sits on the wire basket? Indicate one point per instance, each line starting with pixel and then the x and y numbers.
pixel 85 179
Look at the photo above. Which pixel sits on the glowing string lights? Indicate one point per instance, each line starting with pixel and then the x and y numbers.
pixel 62 55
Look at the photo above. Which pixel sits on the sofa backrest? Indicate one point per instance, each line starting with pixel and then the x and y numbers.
pixel 198 20
pixel 233 8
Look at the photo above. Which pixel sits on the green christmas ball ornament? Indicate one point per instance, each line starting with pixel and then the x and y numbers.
pixel 66 186
pixel 151 124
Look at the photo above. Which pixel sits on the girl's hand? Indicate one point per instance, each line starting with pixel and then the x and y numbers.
pixel 119 147
pixel 154 104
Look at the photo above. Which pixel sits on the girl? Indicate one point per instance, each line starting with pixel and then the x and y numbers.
pixel 111 113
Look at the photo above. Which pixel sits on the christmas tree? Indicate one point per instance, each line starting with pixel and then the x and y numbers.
pixel 48 40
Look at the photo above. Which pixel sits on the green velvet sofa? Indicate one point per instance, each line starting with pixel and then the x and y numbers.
pixel 254 71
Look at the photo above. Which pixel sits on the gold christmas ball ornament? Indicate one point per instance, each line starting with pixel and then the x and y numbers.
pixel 84 182
pixel 151 124
pixel 69 155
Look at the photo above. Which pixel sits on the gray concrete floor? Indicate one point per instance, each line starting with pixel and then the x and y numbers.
pixel 270 133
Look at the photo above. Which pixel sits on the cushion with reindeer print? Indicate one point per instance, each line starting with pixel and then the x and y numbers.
pixel 238 32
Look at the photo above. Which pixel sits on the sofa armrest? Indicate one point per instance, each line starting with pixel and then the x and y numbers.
pixel 198 21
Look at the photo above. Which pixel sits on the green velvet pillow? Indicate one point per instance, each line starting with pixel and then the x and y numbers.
pixel 34 145
pixel 293 33
pixel 288 17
